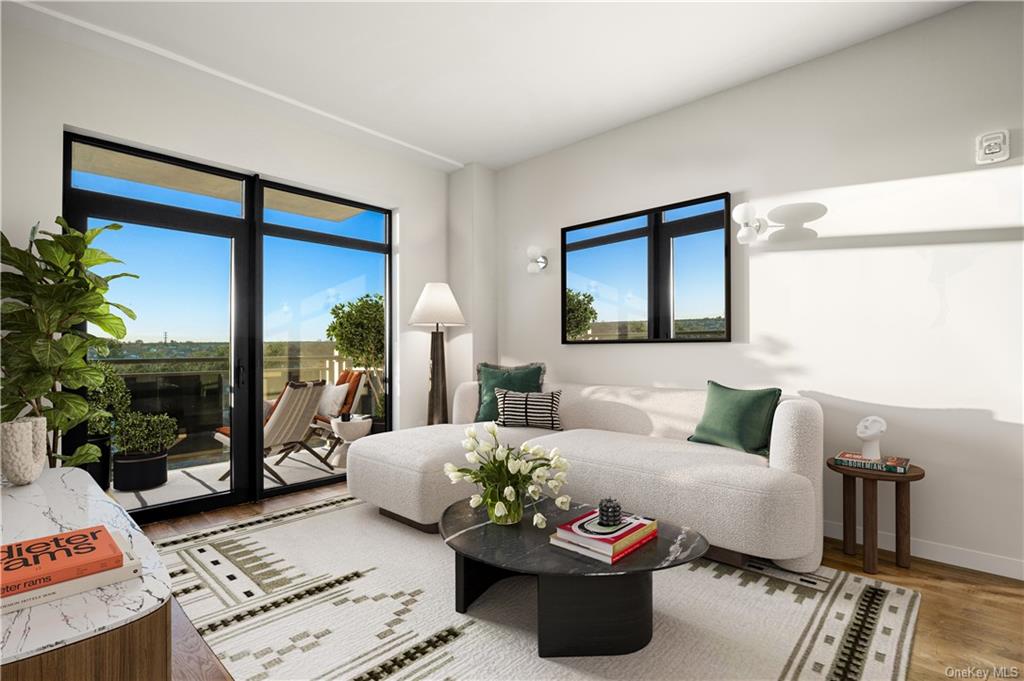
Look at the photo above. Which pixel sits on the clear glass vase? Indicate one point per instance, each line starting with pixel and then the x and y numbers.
pixel 513 511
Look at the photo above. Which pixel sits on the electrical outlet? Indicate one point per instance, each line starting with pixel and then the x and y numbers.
pixel 992 147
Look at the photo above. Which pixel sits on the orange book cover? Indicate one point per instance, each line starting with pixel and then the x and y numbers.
pixel 45 561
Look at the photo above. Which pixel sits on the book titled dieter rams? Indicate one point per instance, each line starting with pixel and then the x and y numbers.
pixel 46 561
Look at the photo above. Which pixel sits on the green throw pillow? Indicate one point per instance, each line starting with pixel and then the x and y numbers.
pixel 738 419
pixel 523 379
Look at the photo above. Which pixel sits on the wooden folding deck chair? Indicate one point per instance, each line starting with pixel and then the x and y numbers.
pixel 286 425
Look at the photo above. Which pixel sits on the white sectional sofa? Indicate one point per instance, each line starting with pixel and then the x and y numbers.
pixel 629 443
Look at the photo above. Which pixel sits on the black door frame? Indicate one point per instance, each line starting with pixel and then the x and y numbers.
pixel 246 232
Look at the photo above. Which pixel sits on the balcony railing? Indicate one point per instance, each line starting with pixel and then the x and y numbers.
pixel 197 392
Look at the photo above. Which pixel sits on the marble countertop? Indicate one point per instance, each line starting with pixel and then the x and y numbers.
pixel 65 499
pixel 527 549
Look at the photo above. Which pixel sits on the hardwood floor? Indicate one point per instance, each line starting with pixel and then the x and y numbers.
pixel 967 618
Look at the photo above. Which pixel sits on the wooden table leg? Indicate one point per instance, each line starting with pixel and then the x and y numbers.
pixel 903 524
pixel 870 501
pixel 849 515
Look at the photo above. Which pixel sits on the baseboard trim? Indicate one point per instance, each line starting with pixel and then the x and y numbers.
pixel 1004 566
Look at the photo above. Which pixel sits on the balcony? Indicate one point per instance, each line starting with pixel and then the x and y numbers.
pixel 196 391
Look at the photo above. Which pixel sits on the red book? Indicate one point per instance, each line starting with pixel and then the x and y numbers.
pixel 587 531
pixel 582 550
pixel 45 561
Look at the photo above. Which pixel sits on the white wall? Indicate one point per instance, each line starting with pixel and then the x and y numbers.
pixel 908 305
pixel 55 75
pixel 472 261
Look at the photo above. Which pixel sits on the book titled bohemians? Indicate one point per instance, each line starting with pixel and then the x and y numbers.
pixel 46 561
pixel 887 464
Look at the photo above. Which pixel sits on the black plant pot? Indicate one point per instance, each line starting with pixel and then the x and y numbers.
pixel 136 472
pixel 100 470
pixel 378 427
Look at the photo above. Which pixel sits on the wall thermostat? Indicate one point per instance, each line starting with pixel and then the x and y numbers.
pixel 992 147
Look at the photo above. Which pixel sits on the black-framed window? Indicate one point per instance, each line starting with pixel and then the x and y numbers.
pixel 657 275
pixel 203 235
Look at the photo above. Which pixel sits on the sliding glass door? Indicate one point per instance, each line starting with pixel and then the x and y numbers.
pixel 182 441
pixel 324 329
pixel 260 346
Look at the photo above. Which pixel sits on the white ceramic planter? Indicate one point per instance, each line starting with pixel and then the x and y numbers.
pixel 23 449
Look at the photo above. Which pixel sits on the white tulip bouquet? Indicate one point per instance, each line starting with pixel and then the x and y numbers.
pixel 509 478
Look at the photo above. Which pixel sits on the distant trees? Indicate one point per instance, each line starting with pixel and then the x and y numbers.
pixel 580 313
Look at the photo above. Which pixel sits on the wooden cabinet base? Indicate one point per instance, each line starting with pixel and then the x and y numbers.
pixel 139 650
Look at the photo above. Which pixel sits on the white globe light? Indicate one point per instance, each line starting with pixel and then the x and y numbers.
pixel 744 213
pixel 747 234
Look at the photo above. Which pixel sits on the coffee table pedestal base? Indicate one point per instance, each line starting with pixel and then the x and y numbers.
pixel 576 615
pixel 596 615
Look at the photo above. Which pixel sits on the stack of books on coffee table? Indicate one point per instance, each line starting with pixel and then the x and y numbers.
pixel 57 566
pixel 585 535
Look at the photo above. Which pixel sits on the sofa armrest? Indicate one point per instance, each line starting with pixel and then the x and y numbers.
pixel 466 402
pixel 797 446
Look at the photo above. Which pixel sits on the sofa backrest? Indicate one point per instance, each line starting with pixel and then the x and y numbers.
pixel 661 412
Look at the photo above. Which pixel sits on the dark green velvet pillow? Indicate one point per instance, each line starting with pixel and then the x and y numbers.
pixel 522 379
pixel 738 419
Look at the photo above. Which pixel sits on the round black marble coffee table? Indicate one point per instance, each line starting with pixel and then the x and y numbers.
pixel 584 606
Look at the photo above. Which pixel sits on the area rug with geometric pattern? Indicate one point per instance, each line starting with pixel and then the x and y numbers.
pixel 333 590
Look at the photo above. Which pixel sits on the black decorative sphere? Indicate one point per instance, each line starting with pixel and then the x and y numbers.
pixel 610 513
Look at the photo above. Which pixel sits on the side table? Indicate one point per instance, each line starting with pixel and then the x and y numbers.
pixel 347 432
pixel 870 492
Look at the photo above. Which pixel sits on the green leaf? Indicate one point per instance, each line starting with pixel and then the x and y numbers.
pixel 33 384
pixel 91 234
pixel 72 343
pixel 16 285
pixel 72 242
pixel 68 410
pixel 49 353
pixel 95 256
pixel 20 258
pixel 11 411
pixel 130 313
pixel 112 277
pixel 110 323
pixel 87 453
pixel 12 306
pixel 84 376
pixel 53 254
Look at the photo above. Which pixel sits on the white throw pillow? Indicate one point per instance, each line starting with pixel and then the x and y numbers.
pixel 331 400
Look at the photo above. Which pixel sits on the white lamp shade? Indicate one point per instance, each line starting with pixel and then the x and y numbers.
pixel 437 306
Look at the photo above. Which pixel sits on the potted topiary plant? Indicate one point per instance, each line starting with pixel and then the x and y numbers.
pixel 109 401
pixel 358 330
pixel 140 442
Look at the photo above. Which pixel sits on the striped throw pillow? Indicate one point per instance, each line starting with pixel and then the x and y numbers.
pixel 528 410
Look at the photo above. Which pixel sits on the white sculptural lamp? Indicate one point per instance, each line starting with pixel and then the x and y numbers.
pixel 437 307
pixel 870 430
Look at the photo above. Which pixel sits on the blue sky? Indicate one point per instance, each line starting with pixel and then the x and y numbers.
pixel 185 279
pixel 616 274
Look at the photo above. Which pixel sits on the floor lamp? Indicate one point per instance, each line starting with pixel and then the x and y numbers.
pixel 437 307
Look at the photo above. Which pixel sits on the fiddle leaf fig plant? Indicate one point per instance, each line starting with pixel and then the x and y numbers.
pixel 48 295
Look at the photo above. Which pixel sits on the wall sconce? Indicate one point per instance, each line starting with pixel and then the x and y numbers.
pixel 751 226
pixel 538 260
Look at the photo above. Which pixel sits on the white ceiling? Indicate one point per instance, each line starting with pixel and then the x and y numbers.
pixel 496 83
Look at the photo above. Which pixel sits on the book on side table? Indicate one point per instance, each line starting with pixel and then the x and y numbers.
pixel 586 536
pixel 47 568
pixel 886 464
